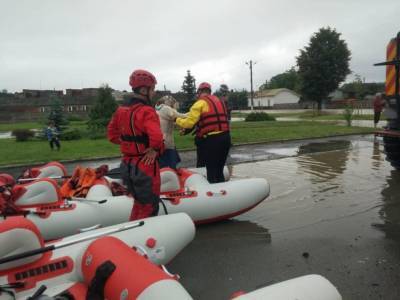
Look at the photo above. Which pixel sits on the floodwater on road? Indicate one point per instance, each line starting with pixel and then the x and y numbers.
pixel 334 210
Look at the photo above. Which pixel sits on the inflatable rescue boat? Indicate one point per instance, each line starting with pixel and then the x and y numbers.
pixel 26 262
pixel 181 191
pixel 56 170
pixel 308 287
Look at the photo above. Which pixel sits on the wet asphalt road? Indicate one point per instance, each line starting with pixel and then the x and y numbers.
pixel 334 210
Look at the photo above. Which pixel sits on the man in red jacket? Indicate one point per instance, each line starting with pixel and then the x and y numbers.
pixel 378 103
pixel 135 126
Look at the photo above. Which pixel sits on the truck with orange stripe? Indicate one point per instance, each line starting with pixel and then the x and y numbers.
pixel 391 134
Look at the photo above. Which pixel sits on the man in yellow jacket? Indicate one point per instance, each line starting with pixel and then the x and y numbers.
pixel 210 116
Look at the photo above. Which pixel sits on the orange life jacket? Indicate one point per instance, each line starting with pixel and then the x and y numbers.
pixel 216 119
pixel 81 181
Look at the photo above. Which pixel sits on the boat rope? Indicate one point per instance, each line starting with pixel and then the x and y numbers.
pixel 6 288
pixel 163 205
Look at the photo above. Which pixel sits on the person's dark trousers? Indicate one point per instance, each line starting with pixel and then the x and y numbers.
pixel 170 158
pixel 215 149
pixel 200 163
pixel 54 142
pixel 377 116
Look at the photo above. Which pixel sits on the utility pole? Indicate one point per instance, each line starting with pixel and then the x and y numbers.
pixel 250 63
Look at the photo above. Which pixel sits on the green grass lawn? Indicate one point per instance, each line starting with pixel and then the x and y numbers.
pixel 311 115
pixel 323 116
pixel 12 152
pixel 38 125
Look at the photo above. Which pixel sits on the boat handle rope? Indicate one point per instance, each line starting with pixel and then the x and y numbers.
pixel 81 199
pixel 144 253
pixel 163 204
pixel 5 288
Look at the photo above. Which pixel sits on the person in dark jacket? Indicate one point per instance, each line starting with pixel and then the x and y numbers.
pixel 135 126
pixel 52 133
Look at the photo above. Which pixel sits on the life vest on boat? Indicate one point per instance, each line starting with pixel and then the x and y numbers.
pixel 216 119
pixel 8 193
pixel 82 180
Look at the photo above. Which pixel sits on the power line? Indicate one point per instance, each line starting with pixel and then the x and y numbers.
pixel 251 63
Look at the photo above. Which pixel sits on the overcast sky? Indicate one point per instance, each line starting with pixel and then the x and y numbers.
pixel 47 44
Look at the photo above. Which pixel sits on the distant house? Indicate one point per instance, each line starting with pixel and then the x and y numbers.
pixel 275 98
pixel 32 105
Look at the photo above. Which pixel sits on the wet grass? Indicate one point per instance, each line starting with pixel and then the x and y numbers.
pixel 12 152
pixel 324 116
pixel 38 125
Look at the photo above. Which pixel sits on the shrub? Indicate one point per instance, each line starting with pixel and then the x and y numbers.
pixel 259 116
pixel 97 134
pixel 22 135
pixel 72 118
pixel 71 134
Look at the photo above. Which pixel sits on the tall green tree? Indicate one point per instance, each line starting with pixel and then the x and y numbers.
pixel 238 99
pixel 222 90
pixel 189 88
pixel 359 89
pixel 289 79
pixel 56 114
pixel 323 65
pixel 101 113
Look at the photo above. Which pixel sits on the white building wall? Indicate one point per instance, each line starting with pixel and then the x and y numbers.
pixel 282 97
pixel 285 97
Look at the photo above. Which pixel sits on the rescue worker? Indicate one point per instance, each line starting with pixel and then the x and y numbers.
pixel 135 126
pixel 210 117
pixel 379 104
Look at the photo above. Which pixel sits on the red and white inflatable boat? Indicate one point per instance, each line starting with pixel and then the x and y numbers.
pixel 308 287
pixel 184 190
pixel 75 259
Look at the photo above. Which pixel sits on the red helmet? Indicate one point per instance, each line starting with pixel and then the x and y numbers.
pixel 141 78
pixel 6 179
pixel 204 85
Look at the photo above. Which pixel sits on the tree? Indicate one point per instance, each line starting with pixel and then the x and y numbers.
pixel 359 89
pixel 323 65
pixel 238 99
pixel 189 88
pixel 101 113
pixel 56 114
pixel 289 79
pixel 223 90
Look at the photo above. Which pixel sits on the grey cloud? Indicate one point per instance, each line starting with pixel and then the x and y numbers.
pixel 62 44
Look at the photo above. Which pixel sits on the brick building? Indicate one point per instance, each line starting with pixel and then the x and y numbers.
pixel 33 105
